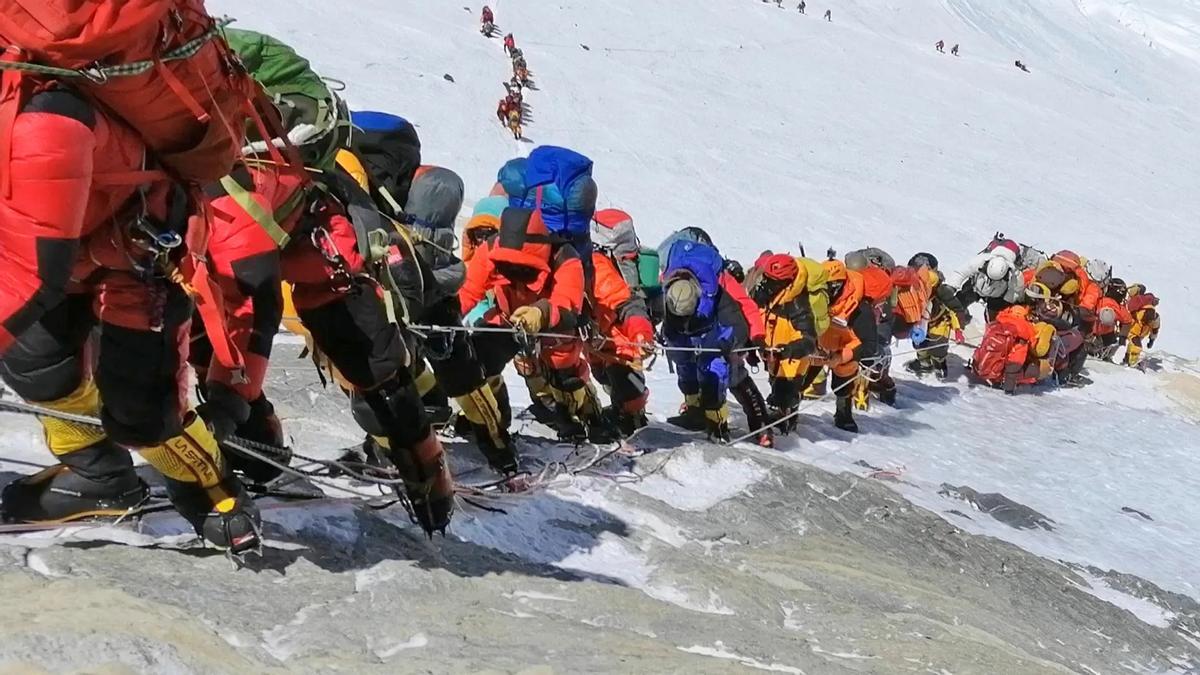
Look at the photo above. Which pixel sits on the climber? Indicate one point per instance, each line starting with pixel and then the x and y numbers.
pixel 793 296
pixel 991 276
pixel 954 50
pixel 802 6
pixel 623 338
pixel 940 46
pixel 97 270
pixel 944 324
pixel 1020 65
pixel 487 22
pixel 1143 306
pixel 510 44
pixel 876 267
pixel 700 315
pixel 523 279
pixel 1003 355
pixel 1113 321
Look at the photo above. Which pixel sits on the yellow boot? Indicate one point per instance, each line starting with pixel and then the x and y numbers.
pixel 203 490
pixel 93 477
pixel 482 410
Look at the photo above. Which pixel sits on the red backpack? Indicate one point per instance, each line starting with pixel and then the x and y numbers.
pixel 164 69
pixel 159 65
pixel 991 356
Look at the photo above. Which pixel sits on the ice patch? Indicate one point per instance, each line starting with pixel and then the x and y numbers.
pixel 689 483
pixel 1144 610
pixel 415 642
pixel 524 596
pixel 718 651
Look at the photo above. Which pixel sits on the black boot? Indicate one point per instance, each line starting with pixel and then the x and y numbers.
pixel 919 366
pixel 690 418
pixel 500 453
pixel 262 426
pixel 95 481
pixel 757 415
pixel 843 418
pixel 396 410
pixel 224 514
pixel 885 389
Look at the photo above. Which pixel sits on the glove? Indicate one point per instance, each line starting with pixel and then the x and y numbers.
pixel 528 318
pixel 918 333
pixel 799 349
pixel 959 338
pixel 1150 342
pixel 223 410
pixel 755 358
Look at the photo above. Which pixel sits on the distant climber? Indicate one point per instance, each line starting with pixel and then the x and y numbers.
pixel 514 123
pixel 802 6
pixel 829 15
pixel 487 22
pixel 510 43
pixel 940 46
pixel 954 50
pixel 1020 65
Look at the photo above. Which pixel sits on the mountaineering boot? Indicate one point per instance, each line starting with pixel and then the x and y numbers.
pixel 427 482
pixel 716 424
pixel 843 418
pixel 627 423
pixel 919 367
pixel 482 411
pixel 755 406
pixel 941 369
pixel 691 415
pixel 204 491
pixel 94 477
pixel 818 388
pixel 415 451
pixel 437 404
pixel 98 480
pixel 885 389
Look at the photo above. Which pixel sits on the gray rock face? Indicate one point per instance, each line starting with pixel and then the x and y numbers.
pixel 836 575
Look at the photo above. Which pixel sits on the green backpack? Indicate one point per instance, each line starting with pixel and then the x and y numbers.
pixel 818 293
pixel 315 118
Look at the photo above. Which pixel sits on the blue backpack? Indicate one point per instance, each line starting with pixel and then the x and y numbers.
pixel 705 264
pixel 557 181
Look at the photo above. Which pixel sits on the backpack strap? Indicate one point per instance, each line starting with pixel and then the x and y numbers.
pixel 265 219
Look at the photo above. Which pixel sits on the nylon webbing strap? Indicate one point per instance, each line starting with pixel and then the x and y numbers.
pixel 264 218
pixel 100 74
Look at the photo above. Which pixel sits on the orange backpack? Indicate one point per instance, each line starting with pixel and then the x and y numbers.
pixel 912 294
pixel 991 357
pixel 161 66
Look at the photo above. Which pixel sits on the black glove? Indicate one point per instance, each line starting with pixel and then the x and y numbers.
pixel 799 349
pixel 755 358
pixel 1150 342
pixel 223 410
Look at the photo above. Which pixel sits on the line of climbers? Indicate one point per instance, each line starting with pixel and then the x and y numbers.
pixel 173 215
pixel 511 109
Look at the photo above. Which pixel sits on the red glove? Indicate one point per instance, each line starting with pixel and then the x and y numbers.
pixel 958 336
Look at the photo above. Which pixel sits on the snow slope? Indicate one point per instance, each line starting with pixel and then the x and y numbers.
pixel 743 118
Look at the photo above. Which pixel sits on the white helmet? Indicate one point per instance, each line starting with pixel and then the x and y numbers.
pixel 1107 316
pixel 997 268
